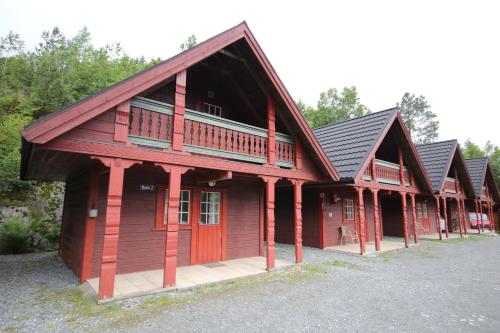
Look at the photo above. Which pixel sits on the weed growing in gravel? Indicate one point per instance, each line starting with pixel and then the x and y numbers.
pixel 76 305
pixel 9 329
pixel 344 264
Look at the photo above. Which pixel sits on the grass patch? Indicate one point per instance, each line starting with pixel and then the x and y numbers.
pixel 388 255
pixel 76 305
pixel 9 329
pixel 344 264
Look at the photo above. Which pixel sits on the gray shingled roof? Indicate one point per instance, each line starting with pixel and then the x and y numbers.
pixel 437 158
pixel 349 143
pixel 477 172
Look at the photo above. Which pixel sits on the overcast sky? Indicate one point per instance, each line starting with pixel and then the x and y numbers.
pixel 446 51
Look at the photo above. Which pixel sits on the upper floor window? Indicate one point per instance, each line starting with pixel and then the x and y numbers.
pixel 348 209
pixel 212 109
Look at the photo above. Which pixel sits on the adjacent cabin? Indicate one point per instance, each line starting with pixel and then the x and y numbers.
pixel 485 190
pixel 178 165
pixel 452 185
pixel 381 191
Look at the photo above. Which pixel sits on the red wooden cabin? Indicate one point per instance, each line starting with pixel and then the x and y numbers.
pixel 380 171
pixel 451 182
pixel 486 192
pixel 178 165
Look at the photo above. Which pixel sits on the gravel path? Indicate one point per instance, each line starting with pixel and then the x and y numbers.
pixel 434 287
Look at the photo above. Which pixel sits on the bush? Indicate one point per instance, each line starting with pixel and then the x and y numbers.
pixel 39 234
pixel 44 233
pixel 15 236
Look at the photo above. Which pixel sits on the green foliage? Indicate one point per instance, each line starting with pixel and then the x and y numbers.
pixel 58 72
pixel 334 107
pixel 39 233
pixel 472 150
pixel 189 43
pixel 419 118
pixel 15 236
pixel 492 151
pixel 44 233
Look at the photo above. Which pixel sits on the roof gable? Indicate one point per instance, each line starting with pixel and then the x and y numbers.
pixel 348 144
pixel 351 144
pixel 438 158
pixel 57 123
pixel 479 170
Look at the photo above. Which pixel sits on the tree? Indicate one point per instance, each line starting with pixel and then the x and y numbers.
pixel 334 107
pixel 189 43
pixel 59 71
pixel 472 150
pixel 419 118
pixel 492 151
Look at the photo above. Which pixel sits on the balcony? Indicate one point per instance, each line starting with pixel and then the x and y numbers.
pixel 387 173
pixel 151 126
pixel 450 185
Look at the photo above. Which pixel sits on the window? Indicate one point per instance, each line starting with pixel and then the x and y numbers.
pixel 348 209
pixel 210 207
pixel 212 109
pixel 184 207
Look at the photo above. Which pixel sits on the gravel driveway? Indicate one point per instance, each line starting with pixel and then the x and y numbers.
pixel 435 287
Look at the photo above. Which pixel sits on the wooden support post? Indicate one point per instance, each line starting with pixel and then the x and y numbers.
pixel 322 235
pixel 117 168
pixel 477 216
pixel 297 191
pixel 404 209
pixel 271 131
pixel 298 154
pixel 179 110
pixel 438 217
pixel 374 170
pixel 481 214
pixel 464 214
pixel 492 217
pixel 376 219
pixel 401 165
pixel 361 218
pixel 445 216
pixel 459 216
pixel 172 228
pixel 414 217
pixel 88 242
pixel 122 121
pixel 270 196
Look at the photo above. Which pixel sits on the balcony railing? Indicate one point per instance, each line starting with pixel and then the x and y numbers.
pixel 387 173
pixel 151 124
pixel 450 185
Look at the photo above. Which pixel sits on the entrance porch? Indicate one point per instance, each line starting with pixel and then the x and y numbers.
pixel 386 245
pixel 151 282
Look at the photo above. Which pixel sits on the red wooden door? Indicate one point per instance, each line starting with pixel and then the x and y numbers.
pixel 210 227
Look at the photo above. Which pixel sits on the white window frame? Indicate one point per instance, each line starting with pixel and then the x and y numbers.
pixel 212 109
pixel 348 209
pixel 181 200
pixel 212 216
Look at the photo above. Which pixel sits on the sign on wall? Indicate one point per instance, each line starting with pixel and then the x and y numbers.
pixel 147 188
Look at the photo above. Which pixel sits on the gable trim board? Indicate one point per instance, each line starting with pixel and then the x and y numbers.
pixel 57 123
